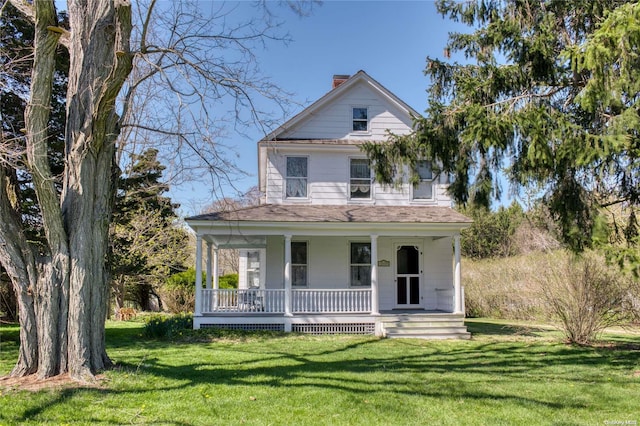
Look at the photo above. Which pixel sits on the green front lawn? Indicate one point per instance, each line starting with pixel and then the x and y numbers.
pixel 508 374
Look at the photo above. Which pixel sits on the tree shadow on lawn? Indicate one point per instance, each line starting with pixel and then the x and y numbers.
pixel 479 328
pixel 411 374
pixel 621 340
pixel 475 370
pixel 47 400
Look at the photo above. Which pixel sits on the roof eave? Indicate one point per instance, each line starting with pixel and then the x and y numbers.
pixel 203 227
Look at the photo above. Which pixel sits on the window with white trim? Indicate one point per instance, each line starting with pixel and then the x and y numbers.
pixel 360 121
pixel 299 264
pixel 296 177
pixel 360 264
pixel 423 190
pixel 359 178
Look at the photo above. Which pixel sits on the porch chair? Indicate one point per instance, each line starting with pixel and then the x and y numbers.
pixel 250 299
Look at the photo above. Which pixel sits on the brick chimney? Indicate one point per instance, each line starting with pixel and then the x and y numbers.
pixel 338 79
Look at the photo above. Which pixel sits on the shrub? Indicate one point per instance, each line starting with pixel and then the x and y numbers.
pixel 166 326
pixel 586 295
pixel 228 281
pixel 178 293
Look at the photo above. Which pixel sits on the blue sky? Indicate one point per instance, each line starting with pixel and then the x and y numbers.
pixel 388 39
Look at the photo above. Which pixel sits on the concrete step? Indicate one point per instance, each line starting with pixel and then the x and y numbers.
pixel 420 330
pixel 412 324
pixel 452 336
pixel 423 317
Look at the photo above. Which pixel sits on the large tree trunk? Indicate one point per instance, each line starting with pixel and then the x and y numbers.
pixel 18 261
pixel 63 297
pixel 100 63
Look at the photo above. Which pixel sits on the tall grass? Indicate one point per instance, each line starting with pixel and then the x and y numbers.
pixel 505 287
pixel 532 286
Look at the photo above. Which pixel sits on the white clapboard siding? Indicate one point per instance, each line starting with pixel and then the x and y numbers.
pixel 334 121
pixel 328 162
pixel 328 180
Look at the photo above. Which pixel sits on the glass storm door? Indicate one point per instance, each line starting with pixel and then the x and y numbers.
pixel 253 269
pixel 408 276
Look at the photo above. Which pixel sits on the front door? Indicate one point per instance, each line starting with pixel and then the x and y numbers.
pixel 407 276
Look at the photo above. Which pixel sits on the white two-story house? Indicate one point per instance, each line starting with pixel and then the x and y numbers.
pixel 329 249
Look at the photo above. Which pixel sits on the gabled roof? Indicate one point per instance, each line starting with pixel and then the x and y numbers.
pixel 358 77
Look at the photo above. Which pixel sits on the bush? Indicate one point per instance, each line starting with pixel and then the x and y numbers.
pixel 586 295
pixel 165 326
pixel 178 293
pixel 228 281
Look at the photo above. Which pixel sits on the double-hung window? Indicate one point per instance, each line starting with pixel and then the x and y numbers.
pixel 296 179
pixel 299 264
pixel 359 179
pixel 360 265
pixel 360 121
pixel 423 190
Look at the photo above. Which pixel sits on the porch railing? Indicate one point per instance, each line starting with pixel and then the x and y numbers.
pixel 257 301
pixel 331 301
pixel 444 299
pixel 252 300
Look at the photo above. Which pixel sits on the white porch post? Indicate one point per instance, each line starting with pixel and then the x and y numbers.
pixel 216 271
pixel 209 278
pixel 198 310
pixel 375 309
pixel 457 296
pixel 287 275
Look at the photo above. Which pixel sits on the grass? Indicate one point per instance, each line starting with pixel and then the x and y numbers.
pixel 510 373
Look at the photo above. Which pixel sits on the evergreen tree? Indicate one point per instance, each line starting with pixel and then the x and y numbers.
pixel 548 89
pixel 147 243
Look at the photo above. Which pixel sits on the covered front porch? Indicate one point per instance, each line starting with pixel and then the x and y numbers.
pixel 327 275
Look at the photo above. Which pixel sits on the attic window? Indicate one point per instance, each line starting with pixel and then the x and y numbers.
pixel 360 119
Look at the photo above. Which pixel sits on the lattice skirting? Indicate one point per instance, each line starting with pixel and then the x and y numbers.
pixel 247 327
pixel 357 328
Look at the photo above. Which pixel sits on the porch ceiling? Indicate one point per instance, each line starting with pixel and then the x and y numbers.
pixel 278 219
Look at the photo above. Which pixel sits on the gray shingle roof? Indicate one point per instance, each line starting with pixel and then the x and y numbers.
pixel 283 213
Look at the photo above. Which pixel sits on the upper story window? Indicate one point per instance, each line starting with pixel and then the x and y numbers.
pixel 360 179
pixel 299 263
pixel 424 189
pixel 296 179
pixel 360 119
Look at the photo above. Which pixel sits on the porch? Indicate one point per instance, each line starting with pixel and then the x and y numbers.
pixel 323 312
pixel 337 270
